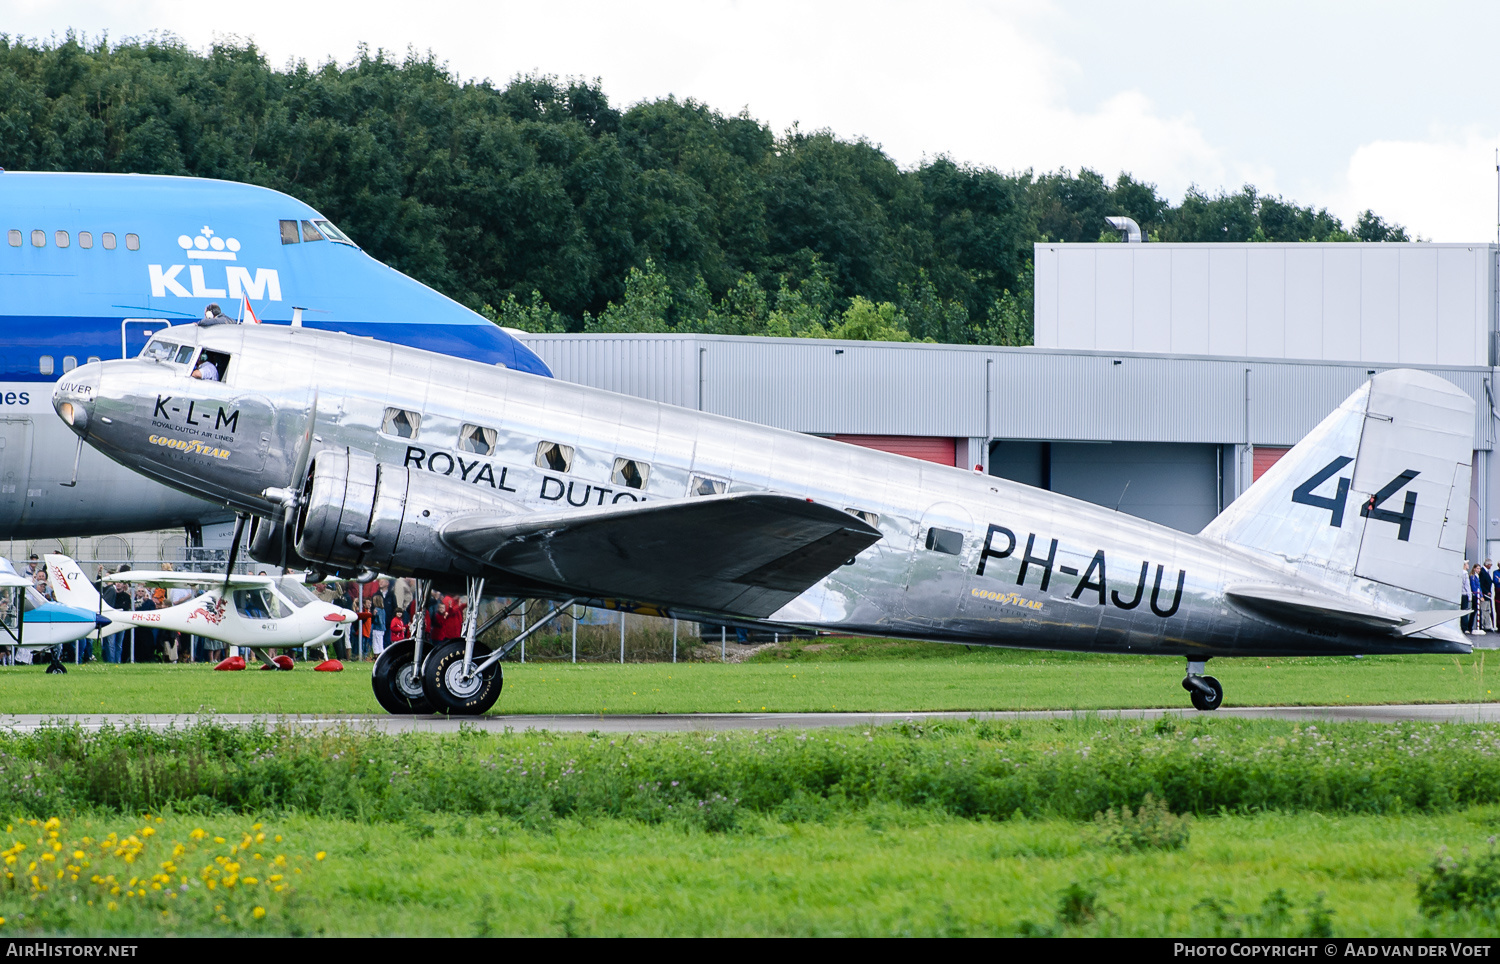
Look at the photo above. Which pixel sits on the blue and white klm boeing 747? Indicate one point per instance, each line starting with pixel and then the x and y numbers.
pixel 92 265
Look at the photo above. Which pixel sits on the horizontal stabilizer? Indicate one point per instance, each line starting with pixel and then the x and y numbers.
pixel 745 555
pixel 1290 604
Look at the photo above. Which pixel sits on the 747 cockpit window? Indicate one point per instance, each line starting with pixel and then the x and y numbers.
pixel 332 233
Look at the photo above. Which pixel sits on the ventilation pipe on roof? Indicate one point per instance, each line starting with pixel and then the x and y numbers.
pixel 1127 227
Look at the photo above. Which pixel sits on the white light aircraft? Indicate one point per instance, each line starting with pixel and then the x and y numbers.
pixel 262 613
pixel 30 622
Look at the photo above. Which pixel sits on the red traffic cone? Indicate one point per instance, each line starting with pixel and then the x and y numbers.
pixel 231 664
pixel 329 666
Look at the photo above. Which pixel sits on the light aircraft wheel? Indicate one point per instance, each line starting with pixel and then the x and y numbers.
pixel 443 681
pixel 1204 701
pixel 397 681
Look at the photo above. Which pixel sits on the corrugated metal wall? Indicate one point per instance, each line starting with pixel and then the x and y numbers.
pixel 1389 304
pixel 862 388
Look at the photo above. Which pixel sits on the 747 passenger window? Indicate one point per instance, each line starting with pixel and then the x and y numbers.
pixel 554 456
pixel 477 439
pixel 401 423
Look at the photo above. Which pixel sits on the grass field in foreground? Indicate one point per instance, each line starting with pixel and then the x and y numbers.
pixel 883 871
pixel 849 676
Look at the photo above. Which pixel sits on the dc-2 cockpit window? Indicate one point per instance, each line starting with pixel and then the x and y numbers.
pixel 631 473
pixel 702 485
pixel 477 439
pixel 554 456
pixel 158 350
pixel 184 354
pixel 401 423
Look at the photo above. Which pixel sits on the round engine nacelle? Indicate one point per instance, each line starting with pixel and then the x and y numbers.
pixel 269 546
pixel 360 514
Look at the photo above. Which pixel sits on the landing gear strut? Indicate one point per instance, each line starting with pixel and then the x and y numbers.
pixel 1205 691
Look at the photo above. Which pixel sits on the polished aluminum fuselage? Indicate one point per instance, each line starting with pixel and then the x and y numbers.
pixel 1033 569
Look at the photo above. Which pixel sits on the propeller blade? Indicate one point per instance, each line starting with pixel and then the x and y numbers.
pixel 234 548
pixel 299 469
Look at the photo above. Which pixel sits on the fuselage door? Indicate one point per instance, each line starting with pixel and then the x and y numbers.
pixel 938 572
pixel 135 332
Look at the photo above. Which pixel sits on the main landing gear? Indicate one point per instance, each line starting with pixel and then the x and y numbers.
pixel 1205 691
pixel 460 677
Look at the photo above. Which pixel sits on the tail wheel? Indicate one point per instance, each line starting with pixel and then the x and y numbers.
pixel 446 688
pixel 397 682
pixel 1207 701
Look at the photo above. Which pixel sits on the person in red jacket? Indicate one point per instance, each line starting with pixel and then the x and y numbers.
pixel 453 620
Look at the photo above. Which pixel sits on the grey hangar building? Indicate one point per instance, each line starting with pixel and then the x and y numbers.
pixel 1164 379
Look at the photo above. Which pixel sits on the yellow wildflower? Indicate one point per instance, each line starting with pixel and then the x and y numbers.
pixel 320 855
pixel 258 913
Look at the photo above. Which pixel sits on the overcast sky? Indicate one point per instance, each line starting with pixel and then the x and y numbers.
pixel 1344 105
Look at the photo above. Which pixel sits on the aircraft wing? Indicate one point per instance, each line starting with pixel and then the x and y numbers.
pixel 11 581
pixel 214 579
pixel 745 554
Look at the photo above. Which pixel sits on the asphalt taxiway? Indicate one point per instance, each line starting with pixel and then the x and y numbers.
pixel 700 722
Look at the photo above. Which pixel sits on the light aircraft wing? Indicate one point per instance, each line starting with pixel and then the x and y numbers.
pixel 9 578
pixel 745 554
pixel 213 579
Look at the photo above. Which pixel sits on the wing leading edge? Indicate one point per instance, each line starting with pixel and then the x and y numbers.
pixel 745 554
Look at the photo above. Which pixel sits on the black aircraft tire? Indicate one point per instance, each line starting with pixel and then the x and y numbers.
pixel 442 683
pixel 1203 702
pixel 398 684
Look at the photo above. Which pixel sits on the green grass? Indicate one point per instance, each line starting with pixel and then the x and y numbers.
pixel 884 871
pixel 945 829
pixel 850 676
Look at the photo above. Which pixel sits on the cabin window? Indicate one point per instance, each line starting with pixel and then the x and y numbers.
pixel 310 233
pixel 70 362
pixel 85 239
pixel 39 239
pixel 158 350
pixel 631 474
pixel 289 233
pixel 108 239
pixel 872 518
pixel 554 456
pixel 133 242
pixel 945 540
pixel 702 485
pixel 60 238
pixel 46 365
pixel 93 358
pixel 401 423
pixel 477 439
pixel 15 238
pixel 332 233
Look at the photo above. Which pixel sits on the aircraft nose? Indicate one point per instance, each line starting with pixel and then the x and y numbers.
pixel 75 393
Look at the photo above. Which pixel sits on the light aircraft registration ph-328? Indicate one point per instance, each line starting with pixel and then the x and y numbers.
pixel 260 613
pixel 360 456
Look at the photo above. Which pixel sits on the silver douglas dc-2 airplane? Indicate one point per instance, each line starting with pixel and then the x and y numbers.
pixel 358 456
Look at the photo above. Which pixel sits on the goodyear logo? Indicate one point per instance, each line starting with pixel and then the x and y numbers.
pixel 189 446
pixel 1007 598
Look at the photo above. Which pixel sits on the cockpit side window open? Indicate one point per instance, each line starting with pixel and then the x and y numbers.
pixel 945 540
pixel 401 423
pixel 631 473
pixel 554 456
pixel 289 233
pixel 702 485
pixel 220 362
pixel 477 439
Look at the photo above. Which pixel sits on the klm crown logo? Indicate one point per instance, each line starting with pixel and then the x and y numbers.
pixel 208 246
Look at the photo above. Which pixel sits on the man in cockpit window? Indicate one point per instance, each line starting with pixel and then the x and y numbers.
pixel 206 370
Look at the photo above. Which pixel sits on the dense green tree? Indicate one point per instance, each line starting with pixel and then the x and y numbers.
pixel 547 208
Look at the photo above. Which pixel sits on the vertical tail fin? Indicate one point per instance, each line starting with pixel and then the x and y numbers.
pixel 69 584
pixel 1378 491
